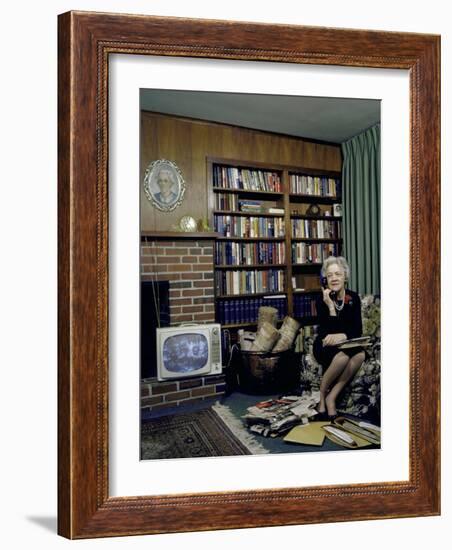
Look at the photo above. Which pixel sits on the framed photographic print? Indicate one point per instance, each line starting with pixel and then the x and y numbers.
pixel 164 185
pixel 167 421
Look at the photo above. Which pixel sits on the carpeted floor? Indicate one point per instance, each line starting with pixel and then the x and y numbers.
pixel 238 402
pixel 214 429
pixel 202 433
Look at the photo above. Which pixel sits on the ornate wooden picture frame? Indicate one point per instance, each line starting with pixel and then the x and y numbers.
pixel 152 189
pixel 86 40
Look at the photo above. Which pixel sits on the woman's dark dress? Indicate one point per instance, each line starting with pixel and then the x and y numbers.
pixel 347 321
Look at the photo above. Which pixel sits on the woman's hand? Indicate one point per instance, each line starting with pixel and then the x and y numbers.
pixel 326 298
pixel 334 339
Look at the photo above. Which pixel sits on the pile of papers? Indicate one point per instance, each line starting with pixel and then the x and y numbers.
pixel 277 416
pixel 353 434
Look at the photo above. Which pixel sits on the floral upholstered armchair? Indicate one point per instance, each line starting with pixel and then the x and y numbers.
pixel 361 397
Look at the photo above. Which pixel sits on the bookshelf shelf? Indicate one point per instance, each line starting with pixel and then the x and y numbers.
pixel 238 325
pixel 247 191
pixel 249 266
pixel 306 217
pixel 315 240
pixel 314 199
pixel 297 291
pixel 251 239
pixel 251 295
pixel 247 214
pixel 323 188
pixel 244 325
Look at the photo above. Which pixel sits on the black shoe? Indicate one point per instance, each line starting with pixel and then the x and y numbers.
pixel 332 417
pixel 322 416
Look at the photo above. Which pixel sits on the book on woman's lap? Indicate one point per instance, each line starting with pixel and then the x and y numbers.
pixel 355 342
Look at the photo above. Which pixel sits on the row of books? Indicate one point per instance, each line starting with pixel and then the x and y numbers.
pixel 231 203
pixel 314 185
pixel 230 177
pixel 304 305
pixel 241 226
pixel 246 310
pixel 239 253
pixel 231 283
pixel 316 229
pixel 257 207
pixel 303 342
pixel 226 201
pixel 304 253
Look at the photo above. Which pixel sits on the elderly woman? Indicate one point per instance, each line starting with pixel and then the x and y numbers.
pixel 339 316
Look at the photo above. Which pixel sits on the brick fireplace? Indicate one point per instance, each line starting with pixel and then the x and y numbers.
pixel 186 261
pixel 188 266
pixel 160 395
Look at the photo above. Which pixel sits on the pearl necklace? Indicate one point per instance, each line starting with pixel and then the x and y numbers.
pixel 337 306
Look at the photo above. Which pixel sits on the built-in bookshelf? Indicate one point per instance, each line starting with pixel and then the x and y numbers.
pixel 250 254
pixel 275 226
pixel 244 310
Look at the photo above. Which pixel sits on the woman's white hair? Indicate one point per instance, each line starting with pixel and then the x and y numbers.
pixel 340 261
pixel 168 172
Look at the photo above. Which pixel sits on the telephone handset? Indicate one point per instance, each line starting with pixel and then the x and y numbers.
pixel 325 285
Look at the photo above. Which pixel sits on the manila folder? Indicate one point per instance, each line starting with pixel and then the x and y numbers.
pixel 307 434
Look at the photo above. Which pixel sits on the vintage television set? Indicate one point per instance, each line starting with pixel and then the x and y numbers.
pixel 188 350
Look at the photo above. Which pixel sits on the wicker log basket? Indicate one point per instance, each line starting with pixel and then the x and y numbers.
pixel 268 372
pixel 269 366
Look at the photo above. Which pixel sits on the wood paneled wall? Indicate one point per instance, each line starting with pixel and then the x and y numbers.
pixel 189 142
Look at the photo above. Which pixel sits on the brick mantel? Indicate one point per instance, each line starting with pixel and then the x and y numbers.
pixel 178 235
pixel 186 260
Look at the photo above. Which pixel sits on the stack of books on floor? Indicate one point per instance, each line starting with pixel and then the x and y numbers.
pixel 353 433
pixel 346 432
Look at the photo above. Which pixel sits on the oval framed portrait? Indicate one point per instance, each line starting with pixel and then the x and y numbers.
pixel 164 185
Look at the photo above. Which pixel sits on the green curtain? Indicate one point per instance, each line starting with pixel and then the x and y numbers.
pixel 361 209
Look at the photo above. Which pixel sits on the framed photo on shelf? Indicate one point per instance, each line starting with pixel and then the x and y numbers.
pixel 104 60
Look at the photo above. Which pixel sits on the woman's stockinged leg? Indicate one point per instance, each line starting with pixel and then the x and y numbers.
pixel 352 367
pixel 337 366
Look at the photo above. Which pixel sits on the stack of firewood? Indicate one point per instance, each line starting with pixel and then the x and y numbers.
pixel 268 337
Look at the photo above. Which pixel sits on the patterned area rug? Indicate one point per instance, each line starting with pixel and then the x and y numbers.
pixel 193 435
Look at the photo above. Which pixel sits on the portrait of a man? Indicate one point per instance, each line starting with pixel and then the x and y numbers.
pixel 164 185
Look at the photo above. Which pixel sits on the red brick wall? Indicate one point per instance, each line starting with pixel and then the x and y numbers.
pixel 188 266
pixel 161 395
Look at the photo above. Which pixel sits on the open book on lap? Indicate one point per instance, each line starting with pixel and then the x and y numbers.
pixel 355 342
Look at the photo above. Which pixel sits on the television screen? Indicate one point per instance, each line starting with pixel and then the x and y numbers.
pixel 186 352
